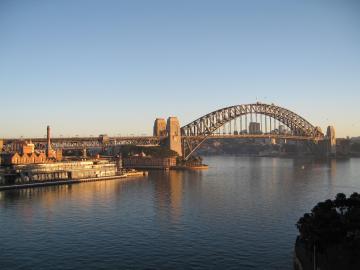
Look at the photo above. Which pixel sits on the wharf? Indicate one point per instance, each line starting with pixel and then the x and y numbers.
pixel 73 181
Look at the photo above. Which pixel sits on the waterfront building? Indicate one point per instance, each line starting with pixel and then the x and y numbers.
pixel 9 159
pixel 147 162
pixel 69 170
pixel 23 152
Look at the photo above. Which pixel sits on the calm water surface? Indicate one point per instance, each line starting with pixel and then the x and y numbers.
pixel 240 214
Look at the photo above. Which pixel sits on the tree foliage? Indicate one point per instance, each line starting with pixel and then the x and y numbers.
pixel 333 222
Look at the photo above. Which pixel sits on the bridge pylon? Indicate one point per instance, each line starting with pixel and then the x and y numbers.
pixel 330 141
pixel 174 135
pixel 159 127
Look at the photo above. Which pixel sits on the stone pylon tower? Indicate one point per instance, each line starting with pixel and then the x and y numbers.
pixel 174 135
pixel 159 127
pixel 331 141
pixel 48 144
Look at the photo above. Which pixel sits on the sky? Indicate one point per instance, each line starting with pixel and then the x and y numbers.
pixel 89 67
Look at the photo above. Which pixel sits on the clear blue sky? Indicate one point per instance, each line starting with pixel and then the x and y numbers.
pixel 90 67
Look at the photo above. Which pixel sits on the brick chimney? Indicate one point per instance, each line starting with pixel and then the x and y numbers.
pixel 48 146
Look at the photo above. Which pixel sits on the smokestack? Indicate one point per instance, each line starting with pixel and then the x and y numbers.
pixel 48 146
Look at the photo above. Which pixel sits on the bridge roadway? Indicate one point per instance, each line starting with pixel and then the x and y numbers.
pixel 82 139
pixel 68 143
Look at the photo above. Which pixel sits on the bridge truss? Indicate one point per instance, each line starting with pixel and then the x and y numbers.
pixel 269 119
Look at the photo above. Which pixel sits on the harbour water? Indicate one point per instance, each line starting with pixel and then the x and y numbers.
pixel 238 214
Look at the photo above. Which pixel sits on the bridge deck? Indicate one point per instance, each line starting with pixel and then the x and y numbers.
pixel 260 136
pixel 94 142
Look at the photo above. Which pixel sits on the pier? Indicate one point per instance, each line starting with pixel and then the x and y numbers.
pixel 74 181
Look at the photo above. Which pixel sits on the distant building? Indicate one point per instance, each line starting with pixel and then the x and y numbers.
pixel 23 152
pixel 54 155
pixel 28 148
pixel 17 146
pixel 254 128
pixel 51 154
pixel 282 130
pixel 15 158
pixel 343 147
pixel 104 139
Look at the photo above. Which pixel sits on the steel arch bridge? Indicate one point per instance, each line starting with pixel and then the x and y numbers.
pixel 196 132
pixel 192 135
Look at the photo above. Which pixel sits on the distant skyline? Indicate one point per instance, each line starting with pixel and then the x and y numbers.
pixel 93 67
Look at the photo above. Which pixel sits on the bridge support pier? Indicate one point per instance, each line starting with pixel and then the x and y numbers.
pixel 325 148
pixel 84 153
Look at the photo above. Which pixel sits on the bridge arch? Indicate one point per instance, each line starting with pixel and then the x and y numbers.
pixel 196 132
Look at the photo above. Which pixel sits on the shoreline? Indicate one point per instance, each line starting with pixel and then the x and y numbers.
pixel 199 167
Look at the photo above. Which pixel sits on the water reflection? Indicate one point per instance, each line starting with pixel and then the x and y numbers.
pixel 238 214
pixel 170 187
pixel 332 167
